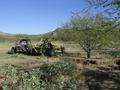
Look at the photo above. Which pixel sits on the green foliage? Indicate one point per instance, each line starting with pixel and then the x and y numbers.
pixel 65 35
pixel 89 31
pixel 113 54
pixel 93 32
pixel 56 76
pixel 58 68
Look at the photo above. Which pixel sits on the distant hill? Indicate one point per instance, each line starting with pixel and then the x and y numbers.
pixel 14 37
pixel 58 34
pixel 7 34
pixel 62 34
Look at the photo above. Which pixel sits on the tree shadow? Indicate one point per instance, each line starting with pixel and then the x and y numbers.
pixel 101 80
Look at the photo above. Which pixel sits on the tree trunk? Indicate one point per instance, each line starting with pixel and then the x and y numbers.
pixel 88 54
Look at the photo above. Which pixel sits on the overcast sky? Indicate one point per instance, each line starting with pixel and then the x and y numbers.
pixel 36 16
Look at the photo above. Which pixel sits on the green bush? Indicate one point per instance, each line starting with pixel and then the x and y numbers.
pixel 114 54
pixel 55 76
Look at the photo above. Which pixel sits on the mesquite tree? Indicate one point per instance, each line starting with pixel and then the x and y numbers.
pixel 90 31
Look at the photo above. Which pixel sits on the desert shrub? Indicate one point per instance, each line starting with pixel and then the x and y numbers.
pixel 21 80
pixel 54 76
pixel 59 75
pixel 113 54
pixel 58 68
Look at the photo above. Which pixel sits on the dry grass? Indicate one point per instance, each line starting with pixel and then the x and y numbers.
pixel 31 61
pixel 21 60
